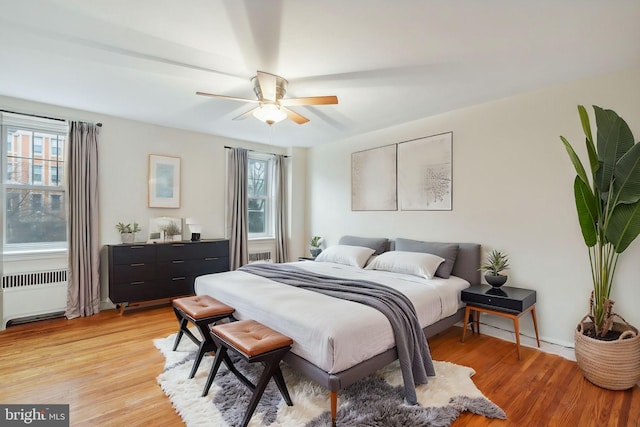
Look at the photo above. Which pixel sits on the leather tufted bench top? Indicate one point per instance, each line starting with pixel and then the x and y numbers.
pixel 202 306
pixel 250 337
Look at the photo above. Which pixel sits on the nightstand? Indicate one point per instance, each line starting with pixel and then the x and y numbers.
pixel 506 301
pixel 306 258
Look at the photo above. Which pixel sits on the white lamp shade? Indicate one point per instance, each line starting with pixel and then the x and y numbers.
pixel 269 113
pixel 195 228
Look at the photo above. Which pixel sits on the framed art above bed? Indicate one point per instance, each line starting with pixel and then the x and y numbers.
pixel 425 174
pixel 414 175
pixel 373 179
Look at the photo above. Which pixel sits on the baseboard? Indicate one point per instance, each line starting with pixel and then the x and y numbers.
pixel 562 350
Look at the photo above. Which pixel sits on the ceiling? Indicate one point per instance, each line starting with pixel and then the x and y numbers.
pixel 388 62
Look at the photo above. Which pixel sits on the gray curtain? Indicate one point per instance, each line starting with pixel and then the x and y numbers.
pixel 282 247
pixel 237 207
pixel 83 293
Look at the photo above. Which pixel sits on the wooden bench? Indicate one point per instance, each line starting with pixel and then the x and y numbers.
pixel 201 310
pixel 254 342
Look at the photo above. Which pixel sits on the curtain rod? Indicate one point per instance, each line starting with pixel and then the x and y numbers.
pixel 256 151
pixel 41 117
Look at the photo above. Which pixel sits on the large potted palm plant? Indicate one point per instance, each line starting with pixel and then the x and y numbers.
pixel 608 205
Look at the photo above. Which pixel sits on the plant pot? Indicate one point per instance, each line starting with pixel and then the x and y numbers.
pixel 495 281
pixel 315 252
pixel 614 365
pixel 127 237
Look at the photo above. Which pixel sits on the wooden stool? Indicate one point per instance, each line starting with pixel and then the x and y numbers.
pixel 201 310
pixel 254 342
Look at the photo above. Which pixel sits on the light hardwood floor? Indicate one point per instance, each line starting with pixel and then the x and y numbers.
pixel 105 367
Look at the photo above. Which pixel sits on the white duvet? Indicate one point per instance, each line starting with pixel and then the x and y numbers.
pixel 331 333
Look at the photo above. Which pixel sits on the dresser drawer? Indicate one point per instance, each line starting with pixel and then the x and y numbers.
pixel 210 265
pixel 192 267
pixel 178 286
pixel 130 254
pixel 136 272
pixel 136 291
pixel 192 250
pixel 177 268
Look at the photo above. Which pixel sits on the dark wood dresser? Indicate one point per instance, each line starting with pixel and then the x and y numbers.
pixel 142 272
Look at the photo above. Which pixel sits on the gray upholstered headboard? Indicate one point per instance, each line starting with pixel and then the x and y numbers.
pixel 467 261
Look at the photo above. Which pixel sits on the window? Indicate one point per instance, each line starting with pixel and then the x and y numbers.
pixel 36 202
pixel 37 145
pixel 10 171
pixel 260 196
pixel 37 174
pixel 34 195
pixel 55 146
pixel 56 202
pixel 53 175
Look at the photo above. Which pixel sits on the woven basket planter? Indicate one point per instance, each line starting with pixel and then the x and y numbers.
pixel 614 365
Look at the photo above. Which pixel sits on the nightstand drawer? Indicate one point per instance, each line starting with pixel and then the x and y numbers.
pixel 514 300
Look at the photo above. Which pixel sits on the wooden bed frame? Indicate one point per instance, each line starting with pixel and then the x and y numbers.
pixel 465 267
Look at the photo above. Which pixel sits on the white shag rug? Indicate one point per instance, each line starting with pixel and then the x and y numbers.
pixel 374 401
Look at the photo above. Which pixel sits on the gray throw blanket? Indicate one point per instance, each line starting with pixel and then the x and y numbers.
pixel 413 352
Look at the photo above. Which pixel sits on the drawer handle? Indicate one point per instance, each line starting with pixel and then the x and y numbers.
pixel 136 247
pixel 137 264
pixel 211 258
pixel 177 262
pixel 178 278
pixel 137 283
pixel 177 245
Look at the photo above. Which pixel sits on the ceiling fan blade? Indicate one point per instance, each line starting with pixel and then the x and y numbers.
pixel 245 115
pixel 267 85
pixel 232 98
pixel 295 116
pixel 310 100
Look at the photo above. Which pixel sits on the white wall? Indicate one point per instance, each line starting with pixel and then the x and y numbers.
pixel 124 146
pixel 512 190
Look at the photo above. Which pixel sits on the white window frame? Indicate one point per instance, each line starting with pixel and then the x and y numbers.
pixel 54 170
pixel 51 147
pixel 37 137
pixel 269 232
pixel 35 125
pixel 33 171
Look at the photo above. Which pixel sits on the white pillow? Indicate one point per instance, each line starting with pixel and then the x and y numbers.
pixel 415 263
pixel 344 254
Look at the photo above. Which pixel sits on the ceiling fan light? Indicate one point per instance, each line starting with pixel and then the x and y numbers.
pixel 269 113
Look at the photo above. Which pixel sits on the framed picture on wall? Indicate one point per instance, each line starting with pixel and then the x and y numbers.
pixel 425 174
pixel 164 181
pixel 373 179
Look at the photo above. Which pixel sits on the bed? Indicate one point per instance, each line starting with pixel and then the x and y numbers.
pixel 338 342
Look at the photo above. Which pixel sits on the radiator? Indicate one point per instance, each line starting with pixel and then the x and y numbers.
pixel 33 296
pixel 264 256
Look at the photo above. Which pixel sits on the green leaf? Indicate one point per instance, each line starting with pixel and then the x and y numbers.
pixel 624 226
pixel 577 164
pixel 591 148
pixel 584 119
pixel 586 204
pixel 614 140
pixel 626 184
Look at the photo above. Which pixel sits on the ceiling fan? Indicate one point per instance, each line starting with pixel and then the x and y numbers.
pixel 270 90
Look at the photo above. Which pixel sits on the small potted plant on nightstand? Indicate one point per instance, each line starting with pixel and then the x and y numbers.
pixel 315 248
pixel 127 231
pixel 496 263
